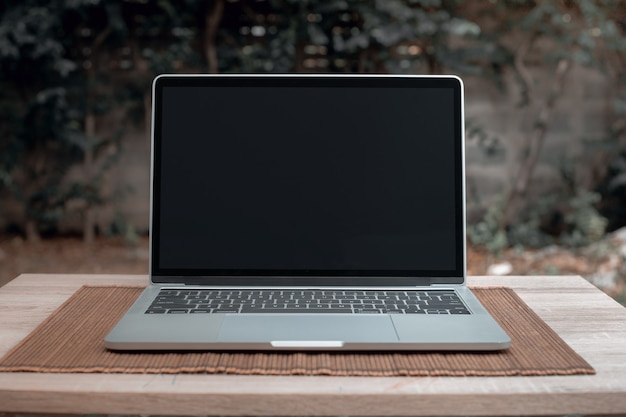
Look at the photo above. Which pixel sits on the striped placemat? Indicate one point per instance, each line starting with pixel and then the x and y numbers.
pixel 71 340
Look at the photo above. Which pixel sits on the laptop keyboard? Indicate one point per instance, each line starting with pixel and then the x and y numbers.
pixel 183 301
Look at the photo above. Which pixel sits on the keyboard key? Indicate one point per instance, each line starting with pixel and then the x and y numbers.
pixel 173 306
pixel 297 310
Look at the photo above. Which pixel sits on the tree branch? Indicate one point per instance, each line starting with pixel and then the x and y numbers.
pixel 526 79
pixel 212 22
pixel 535 144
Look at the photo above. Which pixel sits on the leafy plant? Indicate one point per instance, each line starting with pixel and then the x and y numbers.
pixel 58 62
pixel 572 221
pixel 486 232
pixel 476 133
pixel 562 34
pixel 64 65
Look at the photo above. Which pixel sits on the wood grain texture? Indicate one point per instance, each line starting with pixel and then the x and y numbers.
pixel 588 320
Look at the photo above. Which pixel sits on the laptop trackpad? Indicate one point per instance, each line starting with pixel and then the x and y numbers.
pixel 279 329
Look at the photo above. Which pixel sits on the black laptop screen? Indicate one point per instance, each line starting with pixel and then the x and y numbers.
pixel 307 179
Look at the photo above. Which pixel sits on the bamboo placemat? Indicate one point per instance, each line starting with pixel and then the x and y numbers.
pixel 71 340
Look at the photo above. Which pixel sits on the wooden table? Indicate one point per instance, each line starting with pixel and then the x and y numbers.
pixel 588 320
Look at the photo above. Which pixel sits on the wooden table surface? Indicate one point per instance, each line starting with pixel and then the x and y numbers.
pixel 589 321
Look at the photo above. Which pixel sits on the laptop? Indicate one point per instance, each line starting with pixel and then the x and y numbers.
pixel 307 212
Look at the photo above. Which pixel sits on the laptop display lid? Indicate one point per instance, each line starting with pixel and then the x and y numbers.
pixel 298 180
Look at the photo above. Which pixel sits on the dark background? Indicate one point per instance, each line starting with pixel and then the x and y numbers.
pixel 353 178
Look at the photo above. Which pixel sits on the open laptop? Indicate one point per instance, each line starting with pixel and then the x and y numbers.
pixel 307 212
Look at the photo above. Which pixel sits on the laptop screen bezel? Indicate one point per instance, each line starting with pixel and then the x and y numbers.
pixel 307 278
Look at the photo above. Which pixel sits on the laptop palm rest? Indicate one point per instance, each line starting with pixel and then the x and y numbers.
pixel 304 330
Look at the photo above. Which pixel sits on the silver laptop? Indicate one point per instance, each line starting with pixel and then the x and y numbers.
pixel 307 212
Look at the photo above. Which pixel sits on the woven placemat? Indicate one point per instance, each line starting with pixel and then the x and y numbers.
pixel 71 340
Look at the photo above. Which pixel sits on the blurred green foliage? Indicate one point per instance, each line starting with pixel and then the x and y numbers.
pixel 70 67
pixel 57 62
